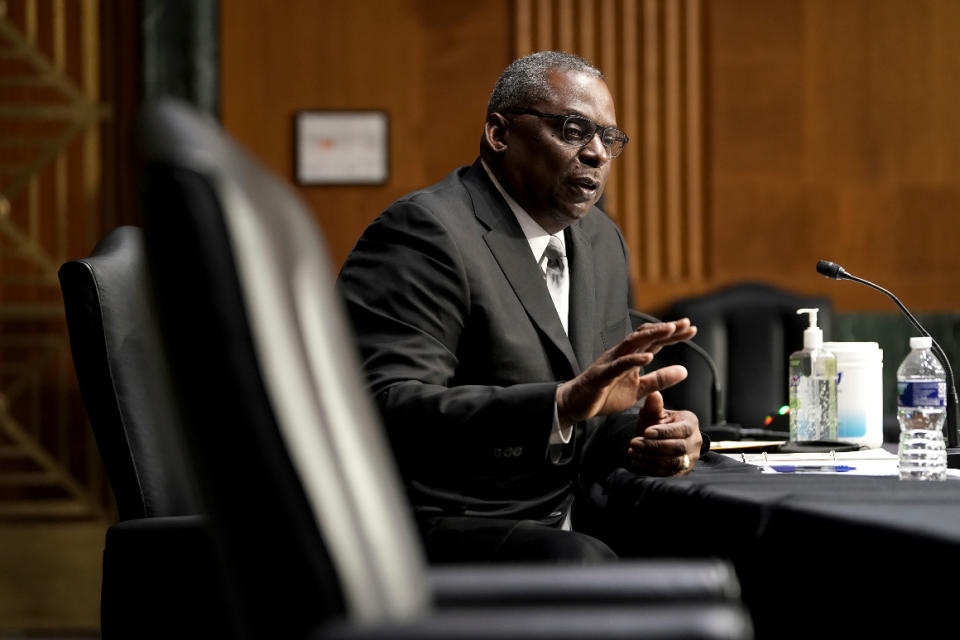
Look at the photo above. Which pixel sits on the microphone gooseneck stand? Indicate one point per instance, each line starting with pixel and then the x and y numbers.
pixel 836 272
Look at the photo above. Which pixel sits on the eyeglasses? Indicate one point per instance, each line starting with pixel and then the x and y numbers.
pixel 579 131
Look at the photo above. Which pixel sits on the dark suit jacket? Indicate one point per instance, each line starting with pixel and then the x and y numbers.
pixel 464 349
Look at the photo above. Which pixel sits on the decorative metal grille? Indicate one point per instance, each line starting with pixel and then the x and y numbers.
pixel 49 204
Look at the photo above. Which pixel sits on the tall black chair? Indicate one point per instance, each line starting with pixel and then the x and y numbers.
pixel 158 562
pixel 749 329
pixel 303 492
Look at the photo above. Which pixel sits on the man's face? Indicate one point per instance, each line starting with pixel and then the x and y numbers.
pixel 554 181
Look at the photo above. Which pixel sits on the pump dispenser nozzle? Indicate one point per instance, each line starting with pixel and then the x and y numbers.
pixel 812 335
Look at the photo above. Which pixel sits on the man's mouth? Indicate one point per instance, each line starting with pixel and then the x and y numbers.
pixel 585 185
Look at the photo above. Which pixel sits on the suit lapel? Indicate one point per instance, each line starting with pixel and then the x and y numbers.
pixel 511 250
pixel 583 295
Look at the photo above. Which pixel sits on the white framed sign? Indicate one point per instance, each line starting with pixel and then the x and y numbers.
pixel 341 147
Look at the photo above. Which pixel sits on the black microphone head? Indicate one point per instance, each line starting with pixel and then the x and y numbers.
pixel 830 269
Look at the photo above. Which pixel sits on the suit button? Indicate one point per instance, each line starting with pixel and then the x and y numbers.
pixel 497 452
pixel 517 451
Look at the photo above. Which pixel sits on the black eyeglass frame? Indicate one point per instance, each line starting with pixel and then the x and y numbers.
pixel 598 129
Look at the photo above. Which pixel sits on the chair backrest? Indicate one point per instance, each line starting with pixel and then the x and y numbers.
pixel 750 329
pixel 124 378
pixel 293 460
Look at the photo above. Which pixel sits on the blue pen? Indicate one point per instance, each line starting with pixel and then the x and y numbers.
pixel 791 468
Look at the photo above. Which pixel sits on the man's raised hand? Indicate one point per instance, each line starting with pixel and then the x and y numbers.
pixel 613 382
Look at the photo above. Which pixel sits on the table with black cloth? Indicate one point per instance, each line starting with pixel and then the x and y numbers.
pixel 818 555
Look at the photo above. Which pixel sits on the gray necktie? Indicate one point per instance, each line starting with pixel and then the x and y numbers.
pixel 555 274
pixel 555 266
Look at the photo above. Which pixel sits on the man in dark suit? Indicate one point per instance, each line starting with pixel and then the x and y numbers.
pixel 491 315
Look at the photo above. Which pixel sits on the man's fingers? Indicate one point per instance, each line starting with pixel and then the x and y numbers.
pixel 644 337
pixel 656 447
pixel 655 335
pixel 652 410
pixel 661 466
pixel 624 363
pixel 674 338
pixel 661 379
pixel 667 431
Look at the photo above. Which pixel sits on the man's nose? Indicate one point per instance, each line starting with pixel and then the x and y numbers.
pixel 594 153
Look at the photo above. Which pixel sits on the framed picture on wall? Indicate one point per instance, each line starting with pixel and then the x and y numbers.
pixel 341 147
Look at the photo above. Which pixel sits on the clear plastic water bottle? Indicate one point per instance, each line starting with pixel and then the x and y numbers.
pixel 921 410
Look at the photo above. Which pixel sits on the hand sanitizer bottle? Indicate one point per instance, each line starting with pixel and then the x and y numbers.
pixel 813 387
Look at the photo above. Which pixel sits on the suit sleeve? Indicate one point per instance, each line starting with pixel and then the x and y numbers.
pixel 407 293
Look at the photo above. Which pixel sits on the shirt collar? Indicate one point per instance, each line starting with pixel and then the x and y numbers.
pixel 537 237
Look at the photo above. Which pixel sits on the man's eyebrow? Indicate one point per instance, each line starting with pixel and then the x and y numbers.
pixel 574 112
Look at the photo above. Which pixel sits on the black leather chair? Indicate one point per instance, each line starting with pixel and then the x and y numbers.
pixel 749 329
pixel 302 489
pixel 158 562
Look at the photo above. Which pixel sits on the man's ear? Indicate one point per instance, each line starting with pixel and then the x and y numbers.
pixel 495 132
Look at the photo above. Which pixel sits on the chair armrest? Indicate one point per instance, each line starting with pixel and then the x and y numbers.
pixel 161 576
pixel 639 582
pixel 661 622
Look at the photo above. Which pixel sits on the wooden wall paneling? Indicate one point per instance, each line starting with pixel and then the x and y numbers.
pixel 431 64
pixel 830 139
pixel 764 133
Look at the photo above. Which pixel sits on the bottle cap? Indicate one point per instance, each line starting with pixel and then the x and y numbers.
pixel 921 342
pixel 812 335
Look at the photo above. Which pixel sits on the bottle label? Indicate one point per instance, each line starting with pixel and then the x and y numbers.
pixel 922 394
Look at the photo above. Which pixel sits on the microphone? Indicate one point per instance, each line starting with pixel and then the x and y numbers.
pixel 831 270
pixel 836 272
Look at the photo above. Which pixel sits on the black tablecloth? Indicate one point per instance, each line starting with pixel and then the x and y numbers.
pixel 817 555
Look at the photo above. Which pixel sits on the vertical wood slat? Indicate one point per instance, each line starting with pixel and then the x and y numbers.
pixel 33 188
pixel 652 137
pixel 523 30
pixel 627 114
pixel 90 38
pixel 61 193
pixel 544 25
pixel 565 21
pixel 608 64
pixel 650 51
pixel 61 197
pixel 694 167
pixel 30 21
pixel 673 209
pixel 588 45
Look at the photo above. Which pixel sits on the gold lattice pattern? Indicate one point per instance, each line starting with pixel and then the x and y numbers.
pixel 49 189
